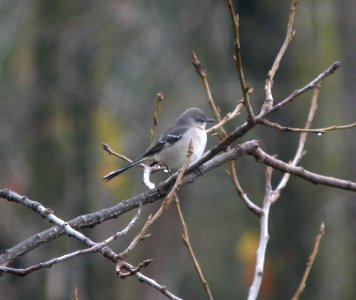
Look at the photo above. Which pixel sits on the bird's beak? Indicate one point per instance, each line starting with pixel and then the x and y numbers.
pixel 210 120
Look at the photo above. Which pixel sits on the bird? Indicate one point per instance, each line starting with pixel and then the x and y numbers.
pixel 171 147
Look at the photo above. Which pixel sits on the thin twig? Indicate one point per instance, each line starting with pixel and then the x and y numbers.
pixel 250 205
pixel 263 157
pixel 186 240
pixel 131 270
pixel 75 293
pixel 289 36
pixel 203 76
pixel 301 144
pixel 310 262
pixel 230 116
pixel 319 131
pixel 296 93
pixel 159 99
pixel 246 90
pixel 107 148
pixel 138 238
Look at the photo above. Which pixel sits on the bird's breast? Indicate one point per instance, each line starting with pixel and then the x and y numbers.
pixel 174 155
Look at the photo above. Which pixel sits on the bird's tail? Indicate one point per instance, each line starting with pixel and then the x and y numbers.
pixel 113 174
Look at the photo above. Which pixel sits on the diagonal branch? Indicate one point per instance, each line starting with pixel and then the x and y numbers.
pixel 263 157
pixel 319 131
pixel 310 262
pixel 246 90
pixel 301 144
pixel 159 99
pixel 186 240
pixel 272 72
pixel 93 219
pixel 106 251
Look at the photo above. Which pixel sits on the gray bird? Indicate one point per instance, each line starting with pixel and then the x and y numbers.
pixel 171 148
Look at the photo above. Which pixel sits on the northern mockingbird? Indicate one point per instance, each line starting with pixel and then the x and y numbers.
pixel 171 147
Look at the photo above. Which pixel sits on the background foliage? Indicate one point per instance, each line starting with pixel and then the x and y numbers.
pixel 77 73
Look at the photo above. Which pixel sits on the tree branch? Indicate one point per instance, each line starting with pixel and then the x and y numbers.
pixel 246 90
pixel 93 219
pixel 289 36
pixel 314 130
pixel 264 237
pixel 106 251
pixel 263 157
pixel 186 240
pixel 310 262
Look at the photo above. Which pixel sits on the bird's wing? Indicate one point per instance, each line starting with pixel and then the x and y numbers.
pixel 171 136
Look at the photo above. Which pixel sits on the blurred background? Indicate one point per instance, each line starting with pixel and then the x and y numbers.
pixel 75 74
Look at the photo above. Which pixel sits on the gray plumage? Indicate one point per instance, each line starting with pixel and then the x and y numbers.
pixel 171 147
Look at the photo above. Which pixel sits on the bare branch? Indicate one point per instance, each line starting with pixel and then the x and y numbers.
pixel 104 250
pixel 230 116
pixel 205 164
pixel 222 133
pixel 159 99
pixel 249 204
pixel 310 262
pixel 264 237
pixel 93 219
pixel 272 196
pixel 138 238
pixel 142 278
pixel 301 144
pixel 246 90
pixel 263 157
pixel 314 130
pixel 311 85
pixel 203 76
pixel 186 240
pixel 131 270
pixel 289 35
pixel 107 148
